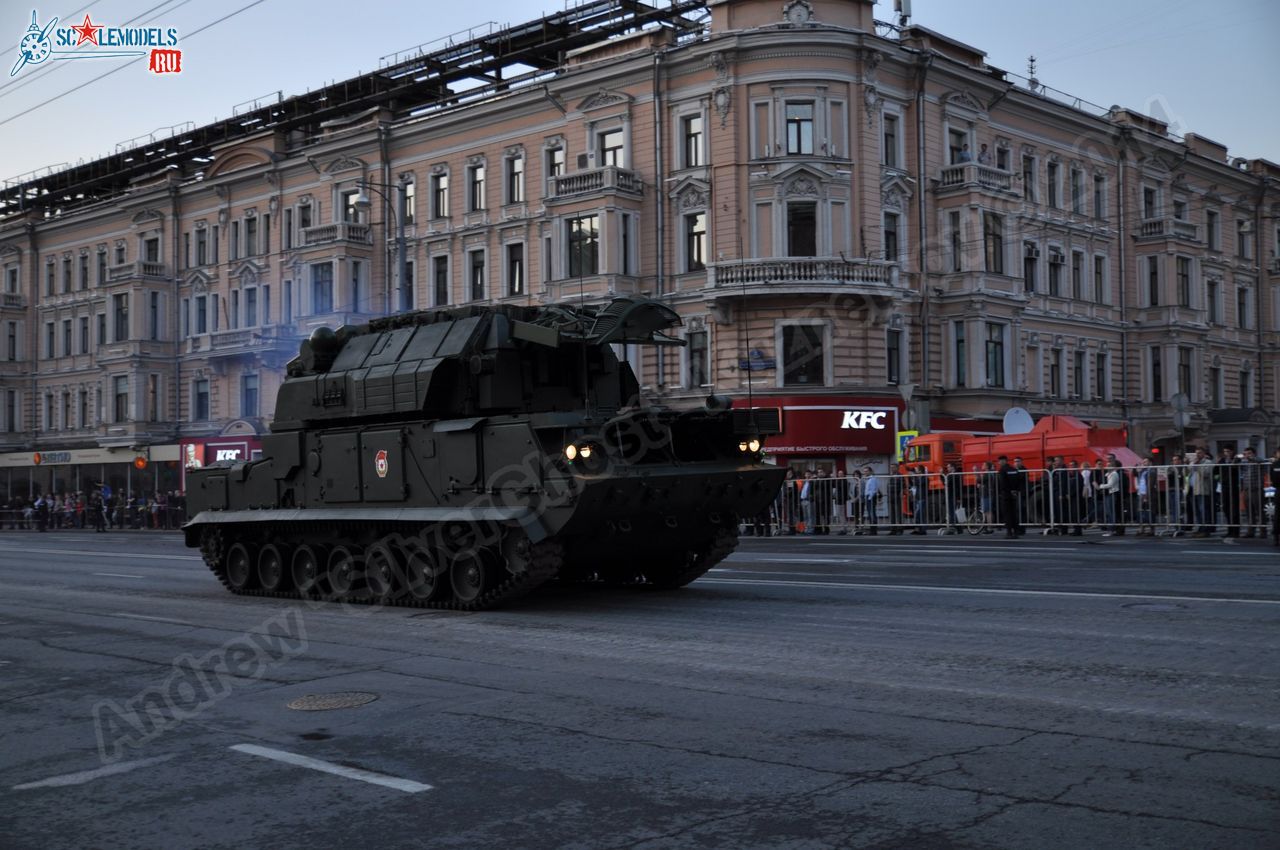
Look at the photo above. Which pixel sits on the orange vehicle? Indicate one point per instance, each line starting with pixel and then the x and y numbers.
pixel 1053 436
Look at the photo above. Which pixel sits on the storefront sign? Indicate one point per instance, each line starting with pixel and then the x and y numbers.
pixel 860 419
pixel 45 458
pixel 840 425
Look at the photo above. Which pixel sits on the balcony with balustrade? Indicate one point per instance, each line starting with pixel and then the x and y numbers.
pixel 801 275
pixel 1160 229
pixel 13 302
pixel 141 270
pixel 975 177
pixel 348 232
pixel 609 180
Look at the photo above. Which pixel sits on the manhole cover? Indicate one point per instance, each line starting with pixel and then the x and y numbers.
pixel 1156 606
pixel 328 702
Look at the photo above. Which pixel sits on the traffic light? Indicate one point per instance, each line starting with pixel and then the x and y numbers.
pixel 1155 452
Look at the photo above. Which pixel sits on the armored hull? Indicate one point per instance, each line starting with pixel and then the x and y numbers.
pixel 461 458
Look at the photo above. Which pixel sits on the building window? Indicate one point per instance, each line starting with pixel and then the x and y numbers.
pixel 610 152
pixel 799 119
pixel 202 314
pixel 889 140
pixel 1242 307
pixel 322 288
pixel 249 395
pixel 121 397
pixel 555 161
pixel 1002 158
pixel 235 240
pixel 691 132
pixel 84 409
pixel 1157 375
pixel 624 225
pixel 1077 191
pixel 1077 375
pixel 475 188
pixel 153 316
pixel 1180 209
pixel 49 350
pixel 202 247
pixel 1055 372
pixel 802 229
pixel 250 237
pixel 515 179
pixel 235 309
pixel 1101 375
pixel 356 283
pixel 584 245
pixel 102 329
pixel 1150 202
pixel 1056 262
pixel 410 200
pixel 102 268
pixel 961 355
pixel 1183 265
pixel 515 269
pixel 200 401
pixel 1244 242
pixel 440 279
pixel 1153 281
pixel 1213 229
pixel 120 253
pixel 695 242
pixel 1215 387
pixel 696 359
pixel 1246 388
pixel 1030 266
pixel 153 398
pixel 1184 370
pixel 1052 172
pixel 251 307
pixel 893 356
pixel 84 336
pixel 803 356
pixel 958 146
pixel 993 242
pixel 1077 275
pixel 408 292
pixel 476 266
pixel 1213 296
pixel 66 337
pixel 1099 196
pixel 66 274
pixel 957 241
pixel 1100 280
pixel 440 195
pixel 151 249
pixel 351 213
pixel 1029 178
pixel 995 355
pixel 50 272
pixel 84 271
pixel 120 310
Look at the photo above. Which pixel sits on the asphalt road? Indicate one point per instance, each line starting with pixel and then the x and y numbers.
pixel 812 693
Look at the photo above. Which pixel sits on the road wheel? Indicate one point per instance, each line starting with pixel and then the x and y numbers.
pixel 272 574
pixel 341 571
pixel 306 568
pixel 241 574
pixel 423 578
pixel 384 569
pixel 469 576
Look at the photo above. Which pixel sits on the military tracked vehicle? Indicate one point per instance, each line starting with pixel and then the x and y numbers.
pixel 459 458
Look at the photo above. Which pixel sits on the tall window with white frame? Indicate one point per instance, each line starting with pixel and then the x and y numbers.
pixel 249 395
pixel 893 356
pixel 1157 374
pixel 583 241
pixel 892 244
pixel 555 161
pixel 515 179
pixel 200 400
pixel 1055 372
pixel 961 359
pixel 1150 202
pixel 1213 300
pixel 1077 374
pixel 1185 354
pixel 802 229
pixel 250 237
pixel 321 288
pixel 251 307
pixel 1077 275
pixel 1244 239
pixel 995 355
pixel 1077 191
pixel 695 242
pixel 1246 388
pixel 609 149
pixel 1053 175
pixel 475 188
pixel 1213 229
pixel 957 240
pixel 515 269
pixel 1101 374
pixel 889 140
pixel 440 279
pixel 1215 387
pixel 440 195
pixel 993 242
pixel 1030 265
pixel 1242 307
pixel 958 146
pixel 120 310
pixel 691 138
pixel 1099 279
pixel 1029 178
pixel 1153 281
pixel 799 121
pixel 804 356
pixel 479 287
pixel 153 316
pixel 1099 196
pixel 410 200
pixel 120 398
pixel 1056 262
pixel 1183 274
pixel 696 359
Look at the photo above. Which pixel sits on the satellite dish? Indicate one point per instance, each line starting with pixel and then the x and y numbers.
pixel 1018 421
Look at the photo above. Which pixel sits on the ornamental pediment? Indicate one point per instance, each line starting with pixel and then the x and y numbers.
pixel 604 98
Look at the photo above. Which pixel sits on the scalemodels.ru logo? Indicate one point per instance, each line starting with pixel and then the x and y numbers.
pixel 96 41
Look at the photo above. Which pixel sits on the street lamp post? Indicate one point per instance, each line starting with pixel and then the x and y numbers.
pixel 402 259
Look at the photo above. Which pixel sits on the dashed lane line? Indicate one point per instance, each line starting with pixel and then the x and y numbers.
pixel 118 575
pixel 84 776
pixel 406 785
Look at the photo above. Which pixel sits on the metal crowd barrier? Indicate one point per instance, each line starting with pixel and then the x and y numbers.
pixel 141 517
pixel 1174 500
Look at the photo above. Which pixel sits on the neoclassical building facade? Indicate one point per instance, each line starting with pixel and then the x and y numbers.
pixel 850 216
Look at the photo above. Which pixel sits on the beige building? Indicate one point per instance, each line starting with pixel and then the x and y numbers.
pixel 846 213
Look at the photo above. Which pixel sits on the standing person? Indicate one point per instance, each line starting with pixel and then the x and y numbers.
pixel 1008 483
pixel 1087 485
pixel 1201 487
pixel 1175 486
pixel 1251 478
pixel 42 512
pixel 840 502
pixel 821 493
pixel 855 500
pixel 987 492
pixel 871 497
pixel 951 485
pixel 896 491
pixel 920 498
pixel 790 501
pixel 1275 500
pixel 1023 515
pixel 95 512
pixel 806 501
pixel 1111 495
pixel 1145 484
pixel 1229 482
pixel 1071 495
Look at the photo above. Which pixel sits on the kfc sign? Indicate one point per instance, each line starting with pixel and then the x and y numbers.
pixel 864 419
pixel 226 454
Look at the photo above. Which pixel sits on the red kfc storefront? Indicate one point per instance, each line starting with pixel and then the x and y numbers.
pixel 202 451
pixel 830 434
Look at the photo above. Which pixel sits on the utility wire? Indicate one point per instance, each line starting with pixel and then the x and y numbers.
pixel 124 65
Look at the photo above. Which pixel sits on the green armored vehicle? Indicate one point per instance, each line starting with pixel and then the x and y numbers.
pixel 459 458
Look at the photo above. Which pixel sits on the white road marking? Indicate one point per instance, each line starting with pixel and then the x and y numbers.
pixel 406 785
pixel 982 590
pixel 96 553
pixel 89 775
pixel 149 618
pixel 118 575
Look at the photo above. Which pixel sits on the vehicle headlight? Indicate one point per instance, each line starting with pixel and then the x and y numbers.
pixel 585 451
pixel 570 451
pixel 753 445
pixel 742 446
